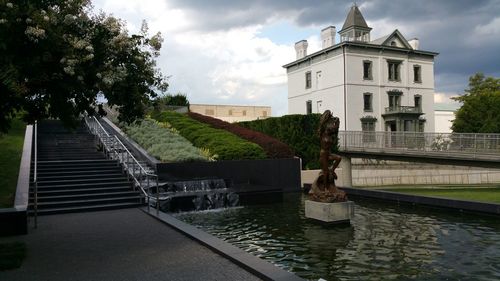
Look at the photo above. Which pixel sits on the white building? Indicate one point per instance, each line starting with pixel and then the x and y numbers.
pixel 385 84
pixel 444 114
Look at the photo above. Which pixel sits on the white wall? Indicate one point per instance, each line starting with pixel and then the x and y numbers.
pixel 331 89
pixel 443 121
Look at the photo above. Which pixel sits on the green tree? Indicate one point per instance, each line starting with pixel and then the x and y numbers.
pixel 57 56
pixel 178 99
pixel 480 111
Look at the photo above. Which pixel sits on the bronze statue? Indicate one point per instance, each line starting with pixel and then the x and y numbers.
pixel 323 188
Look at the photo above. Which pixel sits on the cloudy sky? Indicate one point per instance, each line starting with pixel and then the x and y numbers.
pixel 231 51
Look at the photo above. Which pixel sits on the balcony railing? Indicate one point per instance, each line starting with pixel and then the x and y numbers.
pixel 402 109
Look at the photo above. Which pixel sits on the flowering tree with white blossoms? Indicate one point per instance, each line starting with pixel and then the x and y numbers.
pixel 58 56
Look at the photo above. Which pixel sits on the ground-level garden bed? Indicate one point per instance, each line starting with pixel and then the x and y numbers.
pixel 479 193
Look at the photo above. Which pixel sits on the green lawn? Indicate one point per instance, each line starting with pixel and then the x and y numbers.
pixel 491 195
pixel 11 148
pixel 12 255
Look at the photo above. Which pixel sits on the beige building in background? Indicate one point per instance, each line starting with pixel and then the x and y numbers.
pixel 232 113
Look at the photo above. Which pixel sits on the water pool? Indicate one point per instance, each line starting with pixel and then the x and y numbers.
pixel 383 242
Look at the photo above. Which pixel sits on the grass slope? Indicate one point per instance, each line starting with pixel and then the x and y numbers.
pixel 11 149
pixel 224 144
pixel 490 195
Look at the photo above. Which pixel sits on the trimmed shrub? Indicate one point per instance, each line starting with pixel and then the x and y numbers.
pixel 225 145
pixel 163 143
pixel 298 131
pixel 273 147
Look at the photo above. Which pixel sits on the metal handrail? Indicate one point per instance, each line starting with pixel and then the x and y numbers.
pixel 102 128
pixel 133 158
pixel 35 180
pixel 471 145
pixel 113 148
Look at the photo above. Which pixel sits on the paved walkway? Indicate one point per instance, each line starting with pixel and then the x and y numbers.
pixel 116 245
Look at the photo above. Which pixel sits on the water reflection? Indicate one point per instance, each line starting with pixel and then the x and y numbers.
pixel 384 242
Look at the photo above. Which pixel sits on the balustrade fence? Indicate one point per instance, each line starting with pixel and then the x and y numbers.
pixel 452 144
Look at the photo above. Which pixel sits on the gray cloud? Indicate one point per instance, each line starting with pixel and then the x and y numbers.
pixel 447 27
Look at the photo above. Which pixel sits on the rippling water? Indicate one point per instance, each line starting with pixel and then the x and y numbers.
pixel 383 242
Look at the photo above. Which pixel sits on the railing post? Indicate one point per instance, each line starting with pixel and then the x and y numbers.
pixel 127 168
pixel 148 192
pixel 157 198
pixel 475 145
pixel 35 197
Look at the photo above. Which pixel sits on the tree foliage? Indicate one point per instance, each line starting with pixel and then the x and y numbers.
pixel 57 56
pixel 480 111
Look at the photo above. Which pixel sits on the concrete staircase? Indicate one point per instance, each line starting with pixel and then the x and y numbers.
pixel 73 176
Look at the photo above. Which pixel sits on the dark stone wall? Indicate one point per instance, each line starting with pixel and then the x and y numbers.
pixel 269 174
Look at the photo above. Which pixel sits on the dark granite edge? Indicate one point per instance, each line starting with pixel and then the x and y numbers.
pixel 253 264
pixel 462 205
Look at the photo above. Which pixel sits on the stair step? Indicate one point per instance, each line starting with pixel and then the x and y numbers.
pixel 79 176
pixel 91 208
pixel 79 201
pixel 73 157
pixel 47 148
pixel 42 183
pixel 75 168
pixel 83 185
pixel 78 172
pixel 79 162
pixel 83 190
pixel 67 197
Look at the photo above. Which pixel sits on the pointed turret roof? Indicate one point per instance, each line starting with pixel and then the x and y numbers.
pixel 354 18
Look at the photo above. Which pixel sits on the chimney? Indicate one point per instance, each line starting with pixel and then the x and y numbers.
pixel 414 43
pixel 301 48
pixel 328 36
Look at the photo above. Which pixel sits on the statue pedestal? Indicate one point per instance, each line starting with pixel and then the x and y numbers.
pixel 341 212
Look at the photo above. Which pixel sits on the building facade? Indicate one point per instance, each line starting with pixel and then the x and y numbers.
pixel 444 114
pixel 385 84
pixel 232 113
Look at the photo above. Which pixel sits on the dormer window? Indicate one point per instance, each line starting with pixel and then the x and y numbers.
pixel 393 43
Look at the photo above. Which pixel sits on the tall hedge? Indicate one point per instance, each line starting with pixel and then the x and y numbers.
pixel 272 146
pixel 298 131
pixel 227 146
